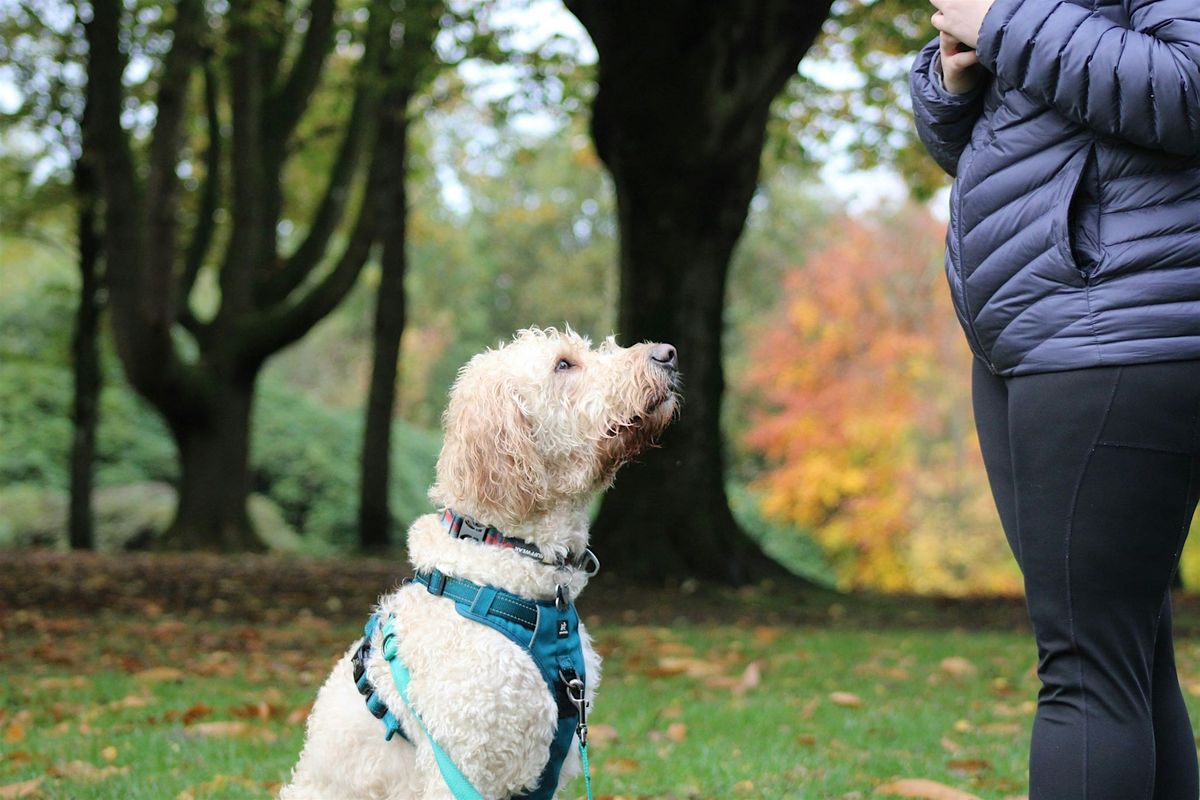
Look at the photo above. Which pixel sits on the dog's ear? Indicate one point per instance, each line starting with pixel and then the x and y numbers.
pixel 489 464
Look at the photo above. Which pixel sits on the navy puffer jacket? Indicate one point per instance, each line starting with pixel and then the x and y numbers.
pixel 1074 234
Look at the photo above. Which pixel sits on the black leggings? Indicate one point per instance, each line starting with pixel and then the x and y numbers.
pixel 1096 475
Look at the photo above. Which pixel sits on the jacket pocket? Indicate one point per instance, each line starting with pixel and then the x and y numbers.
pixel 1077 217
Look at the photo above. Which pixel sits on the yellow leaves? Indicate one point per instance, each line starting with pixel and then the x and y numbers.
pixel 922 789
pixel 860 381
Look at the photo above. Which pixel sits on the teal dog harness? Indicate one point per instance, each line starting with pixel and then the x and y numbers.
pixel 547 630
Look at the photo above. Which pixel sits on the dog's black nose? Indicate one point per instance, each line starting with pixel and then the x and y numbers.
pixel 664 355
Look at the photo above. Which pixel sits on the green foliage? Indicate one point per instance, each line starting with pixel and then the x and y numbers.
pixel 793 548
pixel 305 456
pixel 306 459
pixel 35 431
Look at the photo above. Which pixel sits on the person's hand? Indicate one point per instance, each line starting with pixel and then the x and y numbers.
pixel 960 68
pixel 962 19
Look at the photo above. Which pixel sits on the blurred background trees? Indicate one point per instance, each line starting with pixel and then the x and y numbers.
pixel 244 248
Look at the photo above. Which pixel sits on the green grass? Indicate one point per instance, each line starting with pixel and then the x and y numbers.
pixel 684 711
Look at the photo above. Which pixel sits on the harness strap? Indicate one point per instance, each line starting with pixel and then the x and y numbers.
pixel 458 783
pixel 374 702
pixel 482 600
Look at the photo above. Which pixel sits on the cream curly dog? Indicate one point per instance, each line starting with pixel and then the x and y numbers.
pixel 534 431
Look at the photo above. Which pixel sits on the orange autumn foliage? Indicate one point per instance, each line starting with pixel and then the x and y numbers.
pixel 860 384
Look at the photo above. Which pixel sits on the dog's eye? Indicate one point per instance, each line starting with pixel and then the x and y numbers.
pixel 563 365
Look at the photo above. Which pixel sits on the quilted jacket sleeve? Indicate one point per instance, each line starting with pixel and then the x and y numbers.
pixel 1139 83
pixel 944 120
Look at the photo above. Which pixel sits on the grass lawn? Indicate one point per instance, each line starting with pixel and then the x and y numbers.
pixel 166 704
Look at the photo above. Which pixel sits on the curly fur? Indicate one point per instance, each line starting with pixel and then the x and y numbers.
pixel 533 431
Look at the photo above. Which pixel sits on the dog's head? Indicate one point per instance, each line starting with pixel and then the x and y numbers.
pixel 548 419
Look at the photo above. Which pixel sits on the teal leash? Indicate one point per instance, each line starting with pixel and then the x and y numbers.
pixel 587 773
pixel 575 693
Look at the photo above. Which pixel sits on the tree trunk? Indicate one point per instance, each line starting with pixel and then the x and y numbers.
pixel 679 119
pixel 670 513
pixel 374 515
pixel 214 480
pixel 86 355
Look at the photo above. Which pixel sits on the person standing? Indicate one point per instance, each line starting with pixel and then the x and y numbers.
pixel 1072 129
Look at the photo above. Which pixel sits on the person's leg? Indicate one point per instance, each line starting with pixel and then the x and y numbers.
pixel 1176 774
pixel 1104 468
pixel 989 398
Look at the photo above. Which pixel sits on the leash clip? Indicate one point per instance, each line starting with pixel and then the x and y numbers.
pixel 575 693
pixel 560 597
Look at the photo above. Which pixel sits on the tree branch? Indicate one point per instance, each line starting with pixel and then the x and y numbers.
pixel 143 341
pixel 287 103
pixel 279 284
pixel 280 325
pixel 210 194
pixel 158 278
pixel 252 227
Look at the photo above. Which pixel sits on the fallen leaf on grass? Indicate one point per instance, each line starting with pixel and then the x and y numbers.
pixel 620 766
pixel 601 735
pixel 749 679
pixel 55 683
pixel 677 731
pixel 23 789
pixel 692 667
pixel 846 699
pixel 235 730
pixel 109 753
pixel 299 715
pixel 215 786
pixel 262 710
pixel 923 790
pixel 957 667
pixel 159 675
pixel 14 733
pixel 969 765
pixel 130 701
pixel 85 771
pixel 196 712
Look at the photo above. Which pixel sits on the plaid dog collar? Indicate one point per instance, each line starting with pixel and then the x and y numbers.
pixel 462 527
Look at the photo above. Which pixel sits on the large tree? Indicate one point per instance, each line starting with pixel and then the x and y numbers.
pixel 679 119
pixel 252 67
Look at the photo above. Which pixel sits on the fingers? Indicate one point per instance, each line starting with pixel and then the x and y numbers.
pixel 949 46
pixel 960 61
